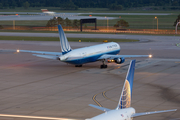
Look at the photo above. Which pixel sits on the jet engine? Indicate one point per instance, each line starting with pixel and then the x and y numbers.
pixel 119 60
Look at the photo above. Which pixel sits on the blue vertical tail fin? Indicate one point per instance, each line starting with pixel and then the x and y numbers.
pixel 125 99
pixel 65 47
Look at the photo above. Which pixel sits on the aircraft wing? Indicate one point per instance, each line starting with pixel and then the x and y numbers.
pixel 40 52
pixel 30 51
pixel 107 56
pixel 43 54
pixel 100 108
pixel 148 113
pixel 47 56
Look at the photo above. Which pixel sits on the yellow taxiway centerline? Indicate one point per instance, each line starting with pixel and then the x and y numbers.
pixel 35 117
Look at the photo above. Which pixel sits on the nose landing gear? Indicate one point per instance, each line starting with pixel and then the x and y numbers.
pixel 103 65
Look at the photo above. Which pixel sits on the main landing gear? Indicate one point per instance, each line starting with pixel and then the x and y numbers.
pixel 78 65
pixel 103 65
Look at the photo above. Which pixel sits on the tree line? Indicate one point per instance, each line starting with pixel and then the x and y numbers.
pixel 75 4
pixel 64 22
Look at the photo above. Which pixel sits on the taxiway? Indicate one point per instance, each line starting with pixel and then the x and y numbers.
pixel 40 87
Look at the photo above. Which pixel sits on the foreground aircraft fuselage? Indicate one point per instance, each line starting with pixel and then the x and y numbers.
pixel 121 114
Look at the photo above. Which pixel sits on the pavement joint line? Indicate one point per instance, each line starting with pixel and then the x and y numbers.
pixel 154 74
pixel 43 108
pixel 34 82
pixel 56 103
pixel 39 80
pixel 165 100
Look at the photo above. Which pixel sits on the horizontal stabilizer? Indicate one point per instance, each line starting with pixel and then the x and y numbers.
pixel 47 56
pixel 100 108
pixel 148 113
pixel 41 52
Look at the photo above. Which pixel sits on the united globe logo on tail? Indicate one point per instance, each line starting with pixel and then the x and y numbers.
pixel 125 100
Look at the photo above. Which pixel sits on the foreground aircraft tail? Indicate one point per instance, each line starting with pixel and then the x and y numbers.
pixel 125 99
pixel 65 47
pixel 124 102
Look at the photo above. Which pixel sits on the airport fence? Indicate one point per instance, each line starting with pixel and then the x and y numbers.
pixel 100 29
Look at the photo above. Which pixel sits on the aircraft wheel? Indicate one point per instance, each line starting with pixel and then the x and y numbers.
pixel 78 65
pixel 103 66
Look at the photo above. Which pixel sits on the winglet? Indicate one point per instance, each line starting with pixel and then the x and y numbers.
pixel 125 99
pixel 65 47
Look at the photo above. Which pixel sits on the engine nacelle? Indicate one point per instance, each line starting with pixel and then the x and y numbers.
pixel 119 60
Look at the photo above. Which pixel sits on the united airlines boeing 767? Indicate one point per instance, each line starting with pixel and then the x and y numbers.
pixel 80 56
pixel 124 111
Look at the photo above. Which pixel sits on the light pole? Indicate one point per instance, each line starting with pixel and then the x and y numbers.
pixel 13 24
pixel 107 21
pixel 157 22
pixel 177 26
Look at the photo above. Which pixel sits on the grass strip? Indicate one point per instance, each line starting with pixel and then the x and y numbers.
pixel 69 39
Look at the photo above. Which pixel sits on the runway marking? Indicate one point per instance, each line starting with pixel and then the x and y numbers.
pixel 94 99
pixel 104 94
pixel 34 117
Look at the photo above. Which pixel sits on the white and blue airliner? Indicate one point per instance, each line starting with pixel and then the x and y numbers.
pixel 124 111
pixel 78 57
